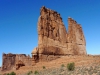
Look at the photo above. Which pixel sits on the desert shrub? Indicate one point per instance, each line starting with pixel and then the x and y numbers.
pixel 12 73
pixel 71 66
pixel 62 65
pixel 36 72
pixel 30 72
pixel 7 74
pixel 44 67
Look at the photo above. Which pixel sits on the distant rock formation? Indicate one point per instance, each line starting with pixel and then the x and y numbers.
pixel 15 61
pixel 53 39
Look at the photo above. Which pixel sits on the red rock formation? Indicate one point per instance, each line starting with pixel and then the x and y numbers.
pixel 76 40
pixel 15 61
pixel 8 61
pixel 53 38
pixel 51 33
pixel 19 64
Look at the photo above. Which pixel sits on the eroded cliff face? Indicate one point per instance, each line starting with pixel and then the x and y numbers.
pixel 53 37
pixel 76 39
pixel 51 33
pixel 15 61
pixel 8 61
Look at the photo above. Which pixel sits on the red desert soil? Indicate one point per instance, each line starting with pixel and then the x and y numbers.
pixel 78 60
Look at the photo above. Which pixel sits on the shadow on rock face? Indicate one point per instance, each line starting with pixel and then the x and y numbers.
pixel 19 64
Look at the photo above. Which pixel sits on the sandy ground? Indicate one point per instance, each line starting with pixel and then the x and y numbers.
pixel 78 60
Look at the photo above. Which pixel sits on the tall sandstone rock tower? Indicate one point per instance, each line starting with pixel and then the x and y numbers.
pixel 76 40
pixel 52 35
pixel 53 39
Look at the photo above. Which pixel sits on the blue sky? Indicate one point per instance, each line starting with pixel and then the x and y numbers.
pixel 18 23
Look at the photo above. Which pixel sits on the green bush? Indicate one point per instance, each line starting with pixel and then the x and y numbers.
pixel 71 66
pixel 12 73
pixel 44 67
pixel 62 65
pixel 36 72
pixel 30 72
pixel 7 74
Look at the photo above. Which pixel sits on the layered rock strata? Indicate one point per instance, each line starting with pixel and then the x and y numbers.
pixel 76 40
pixel 15 61
pixel 51 33
pixel 53 39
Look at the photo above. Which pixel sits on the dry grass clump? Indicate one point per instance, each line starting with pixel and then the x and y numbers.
pixel 12 73
pixel 44 67
pixel 71 66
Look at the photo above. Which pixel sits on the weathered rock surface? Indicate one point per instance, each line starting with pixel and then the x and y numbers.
pixel 15 61
pixel 51 33
pixel 53 39
pixel 76 39
pixel 8 61
pixel 19 64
